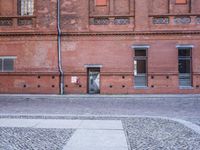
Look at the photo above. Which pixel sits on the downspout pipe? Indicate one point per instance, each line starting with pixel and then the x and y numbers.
pixel 61 84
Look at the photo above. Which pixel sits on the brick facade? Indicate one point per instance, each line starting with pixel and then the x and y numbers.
pixel 98 35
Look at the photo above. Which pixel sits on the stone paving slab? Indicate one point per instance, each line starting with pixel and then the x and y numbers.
pixel 90 134
pixel 97 140
pixel 66 124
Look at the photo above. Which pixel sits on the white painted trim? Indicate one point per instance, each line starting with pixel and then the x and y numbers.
pixel 8 57
pixel 93 66
pixel 184 46
pixel 140 46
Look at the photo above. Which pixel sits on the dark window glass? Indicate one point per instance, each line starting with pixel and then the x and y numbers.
pixel 140 52
pixel 141 66
pixel 0 64
pixel 184 53
pixel 184 66
pixel 8 64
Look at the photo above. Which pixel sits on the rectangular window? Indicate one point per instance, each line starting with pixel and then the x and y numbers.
pixel 6 64
pixel 140 68
pixel 100 2
pixel 1 65
pixel 25 7
pixel 181 1
pixel 184 66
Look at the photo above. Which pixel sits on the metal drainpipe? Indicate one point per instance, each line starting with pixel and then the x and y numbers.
pixel 59 50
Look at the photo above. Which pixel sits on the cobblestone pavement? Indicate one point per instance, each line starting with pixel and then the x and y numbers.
pixel 141 134
pixel 33 139
pixel 160 134
pixel 176 106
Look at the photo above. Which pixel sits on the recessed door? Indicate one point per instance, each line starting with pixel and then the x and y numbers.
pixel 93 81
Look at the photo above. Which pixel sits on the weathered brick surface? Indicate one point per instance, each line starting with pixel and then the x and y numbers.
pixel 84 42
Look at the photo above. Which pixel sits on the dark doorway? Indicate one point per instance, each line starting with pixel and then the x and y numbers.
pixel 93 80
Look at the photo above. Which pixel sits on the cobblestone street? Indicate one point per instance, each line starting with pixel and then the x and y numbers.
pixel 151 122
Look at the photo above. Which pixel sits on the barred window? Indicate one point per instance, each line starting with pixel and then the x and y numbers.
pixel 25 7
pixel 6 64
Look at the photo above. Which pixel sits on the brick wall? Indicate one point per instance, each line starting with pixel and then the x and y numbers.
pixel 98 35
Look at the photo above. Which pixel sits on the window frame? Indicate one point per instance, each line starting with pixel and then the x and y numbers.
pixel 19 8
pixel 2 65
pixel 190 74
pixel 136 58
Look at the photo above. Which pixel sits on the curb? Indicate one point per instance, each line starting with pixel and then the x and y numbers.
pixel 188 124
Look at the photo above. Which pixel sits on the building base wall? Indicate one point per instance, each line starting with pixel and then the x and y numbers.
pixel 109 84
pixel 29 84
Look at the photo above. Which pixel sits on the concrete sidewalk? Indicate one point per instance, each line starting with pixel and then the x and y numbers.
pixel 89 134
pixel 98 134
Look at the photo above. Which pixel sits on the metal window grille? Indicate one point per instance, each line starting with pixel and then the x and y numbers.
pixel 25 7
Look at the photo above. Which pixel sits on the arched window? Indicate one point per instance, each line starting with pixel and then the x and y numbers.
pixel 25 7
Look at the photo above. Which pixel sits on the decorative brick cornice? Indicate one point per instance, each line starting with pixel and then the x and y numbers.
pixel 45 33
pixel 177 32
pixel 28 33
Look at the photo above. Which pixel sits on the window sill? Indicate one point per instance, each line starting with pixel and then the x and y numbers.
pixel 185 87
pixel 141 87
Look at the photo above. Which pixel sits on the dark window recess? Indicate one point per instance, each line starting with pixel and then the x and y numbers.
pixel 140 53
pixel 184 67
pixel 8 65
pixel 184 52
pixel 1 65
pixel 140 67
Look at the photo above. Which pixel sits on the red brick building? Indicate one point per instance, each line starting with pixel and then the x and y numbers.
pixel 99 46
